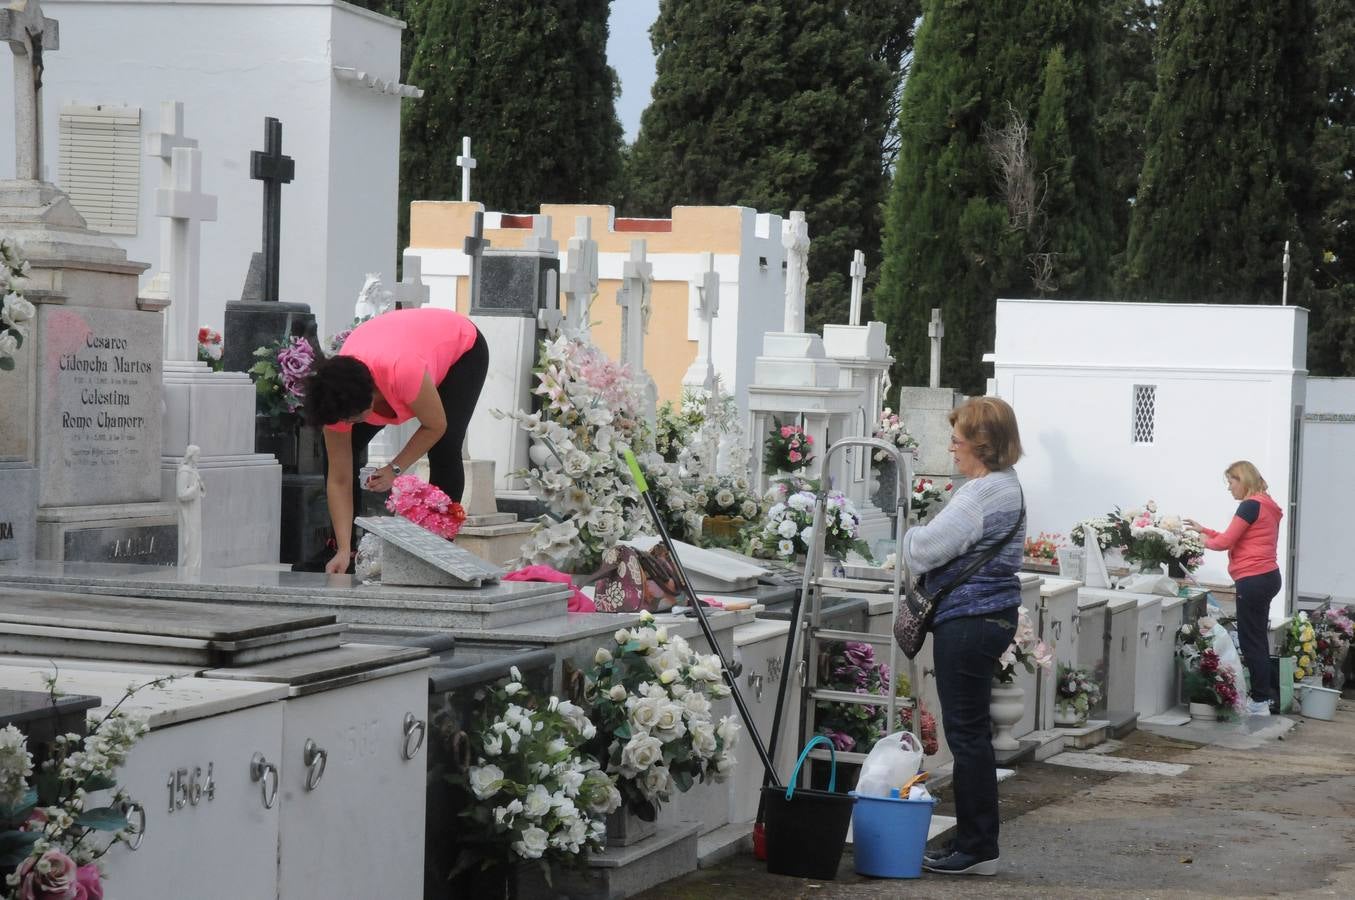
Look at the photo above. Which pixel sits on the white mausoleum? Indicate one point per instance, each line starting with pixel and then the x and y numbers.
pixel 328 70
pixel 1119 403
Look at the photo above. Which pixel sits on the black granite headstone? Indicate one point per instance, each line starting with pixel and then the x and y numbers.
pixel 145 545
pixel 514 284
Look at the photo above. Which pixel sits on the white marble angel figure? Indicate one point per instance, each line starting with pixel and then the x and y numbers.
pixel 190 489
pixel 373 300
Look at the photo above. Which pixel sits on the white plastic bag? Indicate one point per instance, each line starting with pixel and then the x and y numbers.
pixel 1229 659
pixel 893 760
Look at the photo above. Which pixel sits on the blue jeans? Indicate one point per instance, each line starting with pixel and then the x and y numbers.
pixel 1254 594
pixel 966 651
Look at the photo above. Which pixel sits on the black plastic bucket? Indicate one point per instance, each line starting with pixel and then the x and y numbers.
pixel 807 829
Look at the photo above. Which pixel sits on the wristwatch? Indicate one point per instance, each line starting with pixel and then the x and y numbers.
pixel 395 468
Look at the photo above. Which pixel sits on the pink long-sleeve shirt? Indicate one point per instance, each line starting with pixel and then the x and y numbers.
pixel 1250 538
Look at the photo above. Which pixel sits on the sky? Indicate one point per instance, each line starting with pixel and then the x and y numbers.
pixel 630 54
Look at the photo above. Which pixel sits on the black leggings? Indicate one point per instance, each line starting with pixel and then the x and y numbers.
pixel 459 391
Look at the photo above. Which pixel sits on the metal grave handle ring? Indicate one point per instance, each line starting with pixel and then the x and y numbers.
pixel 260 770
pixel 136 824
pixel 314 758
pixel 413 726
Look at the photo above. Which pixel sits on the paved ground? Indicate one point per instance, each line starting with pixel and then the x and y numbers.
pixel 1253 816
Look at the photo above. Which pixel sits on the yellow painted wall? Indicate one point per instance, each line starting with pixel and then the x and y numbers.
pixel 695 229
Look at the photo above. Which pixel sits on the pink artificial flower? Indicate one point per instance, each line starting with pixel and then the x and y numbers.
pixel 787 431
pixel 88 885
pixel 794 457
pixel 950 486
pixel 58 882
pixel 808 439
pixel 1142 522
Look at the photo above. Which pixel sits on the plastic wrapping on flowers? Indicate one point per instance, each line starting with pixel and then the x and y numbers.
pixel 531 790
pixel 650 695
pixel 1205 678
pixel 854 727
pixel 1076 688
pixel 1334 630
pixel 1300 642
pixel 1147 536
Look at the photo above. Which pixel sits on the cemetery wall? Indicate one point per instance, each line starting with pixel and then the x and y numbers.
pixel 233 64
pixel 748 256
pixel 1325 563
pixel 1224 384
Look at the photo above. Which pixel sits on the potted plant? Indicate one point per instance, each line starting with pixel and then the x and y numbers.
pixel 534 796
pixel 1211 688
pixel 787 448
pixel 890 430
pixel 650 695
pixel 1042 552
pixel 727 504
pixel 1008 702
pixel 1075 693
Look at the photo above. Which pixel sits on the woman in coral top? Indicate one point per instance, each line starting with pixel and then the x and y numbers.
pixel 426 364
pixel 1251 540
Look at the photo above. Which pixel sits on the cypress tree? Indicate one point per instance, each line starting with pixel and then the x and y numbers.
pixel 961 231
pixel 1227 167
pixel 776 105
pixel 1330 226
pixel 528 80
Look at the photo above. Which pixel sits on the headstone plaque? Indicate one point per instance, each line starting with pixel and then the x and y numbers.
pixel 514 283
pixel 18 511
pixel 99 422
pixel 413 555
pixel 146 545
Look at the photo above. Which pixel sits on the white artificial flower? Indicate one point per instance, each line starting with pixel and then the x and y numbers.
pixel 749 509
pixel 696 705
pixel 728 731
pixel 15 310
pixel 485 780
pixel 657 783
pixel 641 752
pixel 537 802
pixel 776 513
pixel 669 725
pixel 785 548
pixel 704 744
pixel 724 498
pixel 622 636
pixel 9 344
pixel 602 656
pixel 644 714
pixel 493 745
pixel 533 843
pixel 787 528
pixel 512 688
pixel 617 693
pixel 571 781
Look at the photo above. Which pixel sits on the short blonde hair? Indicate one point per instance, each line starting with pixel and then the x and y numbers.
pixel 989 425
pixel 1247 473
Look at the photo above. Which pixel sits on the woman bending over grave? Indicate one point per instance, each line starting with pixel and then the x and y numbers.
pixel 970 554
pixel 427 364
pixel 1251 540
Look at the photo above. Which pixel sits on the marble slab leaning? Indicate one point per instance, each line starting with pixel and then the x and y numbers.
pixel 413 555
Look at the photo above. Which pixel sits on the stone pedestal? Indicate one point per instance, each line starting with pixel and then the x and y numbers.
pixel 18 511
pixel 863 360
pixel 215 412
pixel 488 533
pixel 925 413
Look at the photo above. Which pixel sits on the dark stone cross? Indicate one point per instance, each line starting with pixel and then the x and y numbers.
pixel 474 247
pixel 274 169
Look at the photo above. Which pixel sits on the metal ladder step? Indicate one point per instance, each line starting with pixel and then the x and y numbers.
pixel 829 696
pixel 861 637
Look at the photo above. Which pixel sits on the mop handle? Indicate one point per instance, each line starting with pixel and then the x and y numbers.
pixel 643 486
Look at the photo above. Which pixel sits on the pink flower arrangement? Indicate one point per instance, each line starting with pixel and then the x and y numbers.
pixel 54 876
pixel 788 448
pixel 426 505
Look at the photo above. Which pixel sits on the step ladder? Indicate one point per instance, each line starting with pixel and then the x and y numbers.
pixel 810 619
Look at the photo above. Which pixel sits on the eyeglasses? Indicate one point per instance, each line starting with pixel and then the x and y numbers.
pixel 957 441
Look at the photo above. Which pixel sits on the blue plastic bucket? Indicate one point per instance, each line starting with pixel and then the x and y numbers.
pixel 889 835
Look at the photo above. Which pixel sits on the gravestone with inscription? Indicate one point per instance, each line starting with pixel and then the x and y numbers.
pixel 87 406
pixel 413 555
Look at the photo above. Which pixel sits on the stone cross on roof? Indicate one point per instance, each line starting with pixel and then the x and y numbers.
pixel 186 206
pixel 795 238
pixel 466 162
pixel 858 273
pixel 935 331
pixel 29 34
pixel 274 169
pixel 581 276
pixel 637 276
pixel 706 287
pixel 411 292
pixel 540 239
pixel 474 248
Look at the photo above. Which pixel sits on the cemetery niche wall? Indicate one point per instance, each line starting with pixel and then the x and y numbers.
pixel 1154 400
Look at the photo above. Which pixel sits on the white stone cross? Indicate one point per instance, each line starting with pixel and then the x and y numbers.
pixel 706 289
pixel 29 35
pixel 580 278
pixel 858 273
pixel 548 318
pixel 795 238
pixel 466 162
pixel 186 207
pixel 411 292
pixel 540 240
pixel 637 276
pixel 935 331
pixel 161 144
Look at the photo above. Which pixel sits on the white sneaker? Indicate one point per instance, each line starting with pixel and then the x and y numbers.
pixel 1258 708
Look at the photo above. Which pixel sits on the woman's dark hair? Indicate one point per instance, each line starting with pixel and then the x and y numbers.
pixel 338 389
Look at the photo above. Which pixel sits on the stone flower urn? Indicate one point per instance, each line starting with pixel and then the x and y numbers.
pixel 1005 709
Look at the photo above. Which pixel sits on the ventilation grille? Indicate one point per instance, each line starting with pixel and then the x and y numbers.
pixel 100 166
pixel 1145 412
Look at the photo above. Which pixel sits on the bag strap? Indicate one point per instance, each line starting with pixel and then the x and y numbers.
pixel 987 556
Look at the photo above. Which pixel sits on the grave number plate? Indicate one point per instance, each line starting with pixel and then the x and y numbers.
pixel 189 789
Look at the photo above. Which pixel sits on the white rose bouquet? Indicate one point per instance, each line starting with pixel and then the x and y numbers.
pixel 651 702
pixel 533 793
pixel 788 528
pixel 15 311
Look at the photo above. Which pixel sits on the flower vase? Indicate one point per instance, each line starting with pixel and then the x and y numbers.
pixel 1150 568
pixel 723 528
pixel 625 828
pixel 1175 569
pixel 1006 707
pixel 1066 715
pixel 1203 712
pixel 885 486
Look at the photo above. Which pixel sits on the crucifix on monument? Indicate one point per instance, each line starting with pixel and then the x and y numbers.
pixel 637 277
pixel 29 34
pixel 858 273
pixel 466 162
pixel 706 286
pixel 474 247
pixel 795 238
pixel 935 331
pixel 260 318
pixel 411 292
pixel 581 278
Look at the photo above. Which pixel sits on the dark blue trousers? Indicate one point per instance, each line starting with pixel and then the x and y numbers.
pixel 966 651
pixel 1254 594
